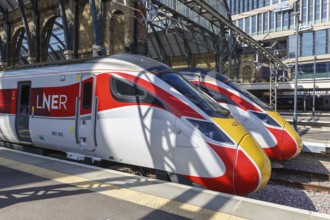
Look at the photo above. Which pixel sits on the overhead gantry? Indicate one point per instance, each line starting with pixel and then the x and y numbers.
pixel 226 38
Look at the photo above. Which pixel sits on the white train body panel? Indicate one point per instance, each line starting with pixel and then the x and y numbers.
pixel 279 140
pixel 79 109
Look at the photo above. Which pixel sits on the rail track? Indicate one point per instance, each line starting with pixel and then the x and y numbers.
pixel 301 179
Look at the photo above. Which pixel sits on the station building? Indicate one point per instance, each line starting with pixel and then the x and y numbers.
pixel 273 24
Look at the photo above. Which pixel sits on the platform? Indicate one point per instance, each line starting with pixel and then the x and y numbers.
pixel 315 140
pixel 34 187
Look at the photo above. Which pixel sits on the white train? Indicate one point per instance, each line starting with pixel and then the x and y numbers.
pixel 274 134
pixel 132 110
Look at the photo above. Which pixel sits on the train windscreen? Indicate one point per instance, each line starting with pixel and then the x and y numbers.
pixel 241 90
pixel 199 98
pixel 249 95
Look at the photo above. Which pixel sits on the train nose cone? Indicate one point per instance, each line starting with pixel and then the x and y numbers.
pixel 291 143
pixel 252 167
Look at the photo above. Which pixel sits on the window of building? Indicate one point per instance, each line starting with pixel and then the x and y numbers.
pixel 275 1
pixel 317 11
pixel 278 21
pixel 307 44
pixel 241 6
pixel 272 22
pixel 304 12
pixel 292 46
pixel 237 6
pixel 246 5
pixel 291 21
pixel 255 4
pixel 285 21
pixel 310 11
pixel 324 10
pixel 240 23
pixel 250 5
pixel 321 68
pixel 247 25
pixel 232 7
pixel 320 45
pixel 254 25
pixel 267 2
pixel 266 22
pixel 259 23
pixel 328 40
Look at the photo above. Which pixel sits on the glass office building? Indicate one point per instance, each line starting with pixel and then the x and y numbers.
pixel 270 21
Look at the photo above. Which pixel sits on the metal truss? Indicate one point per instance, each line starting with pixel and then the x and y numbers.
pixel 172 22
pixel 273 67
pixel 218 20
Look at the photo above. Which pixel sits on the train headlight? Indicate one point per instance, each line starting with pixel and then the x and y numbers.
pixel 211 131
pixel 266 118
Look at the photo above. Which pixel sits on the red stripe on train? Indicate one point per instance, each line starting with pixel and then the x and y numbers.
pixel 173 104
pixel 242 103
pixel 245 179
pixel 8 101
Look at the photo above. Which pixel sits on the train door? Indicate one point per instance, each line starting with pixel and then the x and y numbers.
pixel 86 110
pixel 23 111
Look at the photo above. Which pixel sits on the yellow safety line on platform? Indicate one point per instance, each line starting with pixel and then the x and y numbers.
pixel 147 200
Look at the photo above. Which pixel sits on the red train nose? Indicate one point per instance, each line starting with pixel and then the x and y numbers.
pixel 291 142
pixel 288 145
pixel 252 167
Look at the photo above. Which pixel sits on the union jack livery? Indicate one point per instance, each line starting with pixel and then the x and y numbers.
pixel 274 134
pixel 132 110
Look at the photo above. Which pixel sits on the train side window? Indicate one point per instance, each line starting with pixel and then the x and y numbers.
pixel 87 95
pixel 217 96
pixel 125 91
pixel 25 99
pixel 25 95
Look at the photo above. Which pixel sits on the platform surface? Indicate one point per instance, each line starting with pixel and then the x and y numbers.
pixel 315 140
pixel 34 187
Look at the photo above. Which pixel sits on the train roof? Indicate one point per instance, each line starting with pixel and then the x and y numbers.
pixel 205 72
pixel 114 62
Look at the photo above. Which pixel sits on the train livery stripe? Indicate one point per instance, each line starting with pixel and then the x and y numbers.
pixel 8 101
pixel 172 104
pixel 239 182
pixel 242 103
pixel 60 101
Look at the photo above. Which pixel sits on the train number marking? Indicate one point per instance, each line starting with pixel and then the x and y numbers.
pixel 57 134
pixel 234 124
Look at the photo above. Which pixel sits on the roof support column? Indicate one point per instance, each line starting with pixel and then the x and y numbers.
pixel 4 47
pixel 35 35
pixel 230 51
pixel 161 48
pixel 96 18
pixel 67 27
pixel 188 51
pixel 31 49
